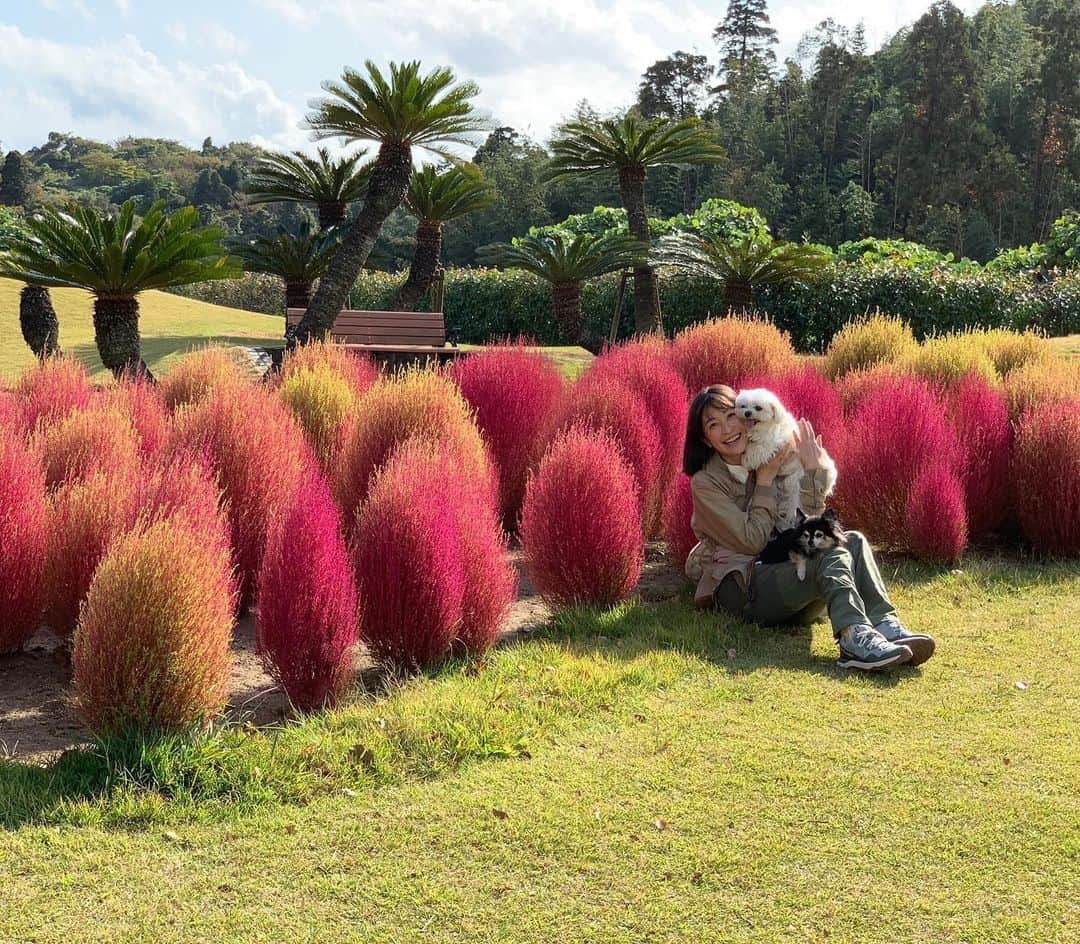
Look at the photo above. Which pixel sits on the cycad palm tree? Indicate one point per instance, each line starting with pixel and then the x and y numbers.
pixel 116 256
pixel 435 198
pixel 741 264
pixel 566 261
pixel 628 147
pixel 327 184
pixel 298 259
pixel 401 111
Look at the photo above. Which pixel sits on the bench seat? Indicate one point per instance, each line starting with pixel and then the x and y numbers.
pixel 406 333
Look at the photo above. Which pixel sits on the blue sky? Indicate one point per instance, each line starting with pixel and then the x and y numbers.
pixel 245 69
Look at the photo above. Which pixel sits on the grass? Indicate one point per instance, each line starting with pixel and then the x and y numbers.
pixel 170 327
pixel 1068 346
pixel 650 773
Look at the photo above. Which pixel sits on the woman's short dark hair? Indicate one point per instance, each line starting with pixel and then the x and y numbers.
pixel 696 451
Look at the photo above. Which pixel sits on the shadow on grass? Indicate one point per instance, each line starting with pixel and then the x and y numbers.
pixel 158 348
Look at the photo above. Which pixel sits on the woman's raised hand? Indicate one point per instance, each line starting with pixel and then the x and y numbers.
pixel 811 452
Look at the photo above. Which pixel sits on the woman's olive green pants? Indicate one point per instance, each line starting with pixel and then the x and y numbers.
pixel 845 582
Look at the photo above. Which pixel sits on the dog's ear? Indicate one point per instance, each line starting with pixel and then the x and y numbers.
pixel 829 514
pixel 800 516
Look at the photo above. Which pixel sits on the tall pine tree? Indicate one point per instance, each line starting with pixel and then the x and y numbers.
pixel 745 34
pixel 14 181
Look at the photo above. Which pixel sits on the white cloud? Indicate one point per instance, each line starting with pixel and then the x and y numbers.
pixel 118 87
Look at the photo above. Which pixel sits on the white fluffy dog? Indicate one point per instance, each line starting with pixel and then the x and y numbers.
pixel 770 429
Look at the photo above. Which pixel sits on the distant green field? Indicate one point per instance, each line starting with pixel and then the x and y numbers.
pixel 170 326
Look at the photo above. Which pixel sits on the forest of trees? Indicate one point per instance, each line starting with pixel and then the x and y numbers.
pixel 961 132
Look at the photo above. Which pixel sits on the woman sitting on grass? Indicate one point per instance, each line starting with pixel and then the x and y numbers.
pixel 735 515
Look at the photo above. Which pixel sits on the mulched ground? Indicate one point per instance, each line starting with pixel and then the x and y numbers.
pixel 38 720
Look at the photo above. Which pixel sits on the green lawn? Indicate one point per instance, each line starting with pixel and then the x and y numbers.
pixel 652 774
pixel 170 326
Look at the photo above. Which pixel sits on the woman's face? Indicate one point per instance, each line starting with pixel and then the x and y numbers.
pixel 725 432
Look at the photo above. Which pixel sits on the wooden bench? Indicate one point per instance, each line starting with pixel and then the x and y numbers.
pixel 389 335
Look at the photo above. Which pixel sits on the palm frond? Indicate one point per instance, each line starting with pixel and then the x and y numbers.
pixel 294 257
pixel 117 254
pixel 562 258
pixel 429 110
pixel 756 260
pixel 298 178
pixel 602 146
pixel 439 196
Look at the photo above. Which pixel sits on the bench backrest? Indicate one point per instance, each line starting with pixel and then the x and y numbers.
pixel 419 328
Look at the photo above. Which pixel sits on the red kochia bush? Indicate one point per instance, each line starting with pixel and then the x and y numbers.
pixel 936 519
pixel 142 403
pixel 52 389
pixel 807 394
pixel 678 509
pixel 606 405
pixel 85 517
pixel 580 523
pixel 899 428
pixel 307 605
pixel 728 350
pixel 417 403
pixel 645 367
pixel 410 569
pixel 86 442
pixel 152 647
pixel 1046 477
pixel 258 455
pixel 980 418
pixel 516 392
pixel 23 542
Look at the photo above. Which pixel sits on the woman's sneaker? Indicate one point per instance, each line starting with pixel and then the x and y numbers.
pixel 863 647
pixel 921 646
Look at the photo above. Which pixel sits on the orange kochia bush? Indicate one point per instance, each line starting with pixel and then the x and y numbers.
pixel 152 647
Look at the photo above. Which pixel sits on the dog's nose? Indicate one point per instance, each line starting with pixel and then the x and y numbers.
pixel 748 413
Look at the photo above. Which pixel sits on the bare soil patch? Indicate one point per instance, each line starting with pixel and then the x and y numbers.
pixel 38 719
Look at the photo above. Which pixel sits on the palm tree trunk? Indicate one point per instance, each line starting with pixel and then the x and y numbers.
pixel 116 332
pixel 389 181
pixel 331 213
pixel 38 321
pixel 566 300
pixel 297 294
pixel 632 192
pixel 422 270
pixel 738 296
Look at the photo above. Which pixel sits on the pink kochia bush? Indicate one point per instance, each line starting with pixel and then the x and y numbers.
pixel 936 519
pixel 645 367
pixel 581 524
pixel 431 563
pixel 142 403
pixel 1046 477
pixel 515 391
pixel 606 405
pixel 678 509
pixel 85 517
pixel 52 389
pixel 980 418
pixel 23 542
pixel 201 372
pixel 87 442
pixel 899 429
pixel 307 604
pixel 259 456
pixel 418 403
pixel 152 647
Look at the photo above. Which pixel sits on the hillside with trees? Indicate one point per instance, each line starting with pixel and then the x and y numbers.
pixel 961 133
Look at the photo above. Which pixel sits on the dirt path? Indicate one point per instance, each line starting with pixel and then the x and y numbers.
pixel 38 720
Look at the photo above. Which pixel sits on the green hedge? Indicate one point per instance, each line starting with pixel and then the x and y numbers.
pixel 486 304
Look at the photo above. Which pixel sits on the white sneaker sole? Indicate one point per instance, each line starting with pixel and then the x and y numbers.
pixel 852 662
